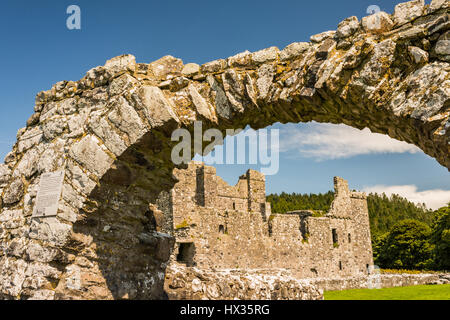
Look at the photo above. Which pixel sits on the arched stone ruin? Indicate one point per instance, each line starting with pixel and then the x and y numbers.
pixel 110 134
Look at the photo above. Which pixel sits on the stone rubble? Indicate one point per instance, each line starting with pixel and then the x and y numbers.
pixel 184 283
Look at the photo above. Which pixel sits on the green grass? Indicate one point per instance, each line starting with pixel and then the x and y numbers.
pixel 424 292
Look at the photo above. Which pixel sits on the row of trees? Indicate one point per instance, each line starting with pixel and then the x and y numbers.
pixel 415 245
pixel 295 201
pixel 404 235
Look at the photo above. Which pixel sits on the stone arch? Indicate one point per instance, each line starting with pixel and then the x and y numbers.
pixel 110 133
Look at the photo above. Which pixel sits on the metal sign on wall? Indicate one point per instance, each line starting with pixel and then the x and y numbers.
pixel 48 195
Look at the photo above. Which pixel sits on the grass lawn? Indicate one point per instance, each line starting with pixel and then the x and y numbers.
pixel 425 292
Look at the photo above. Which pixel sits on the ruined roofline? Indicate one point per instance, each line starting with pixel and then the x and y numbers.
pixel 340 191
pixel 341 187
pixel 249 174
pixel 358 195
pixel 340 184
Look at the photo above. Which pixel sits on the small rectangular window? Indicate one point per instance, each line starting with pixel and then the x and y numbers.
pixel 349 238
pixel 186 253
pixel 335 236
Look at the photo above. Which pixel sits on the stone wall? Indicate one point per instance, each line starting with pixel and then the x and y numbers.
pixel 110 134
pixel 184 283
pixel 380 281
pixel 190 283
pixel 226 233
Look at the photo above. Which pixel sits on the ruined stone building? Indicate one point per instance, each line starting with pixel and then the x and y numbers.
pixel 220 226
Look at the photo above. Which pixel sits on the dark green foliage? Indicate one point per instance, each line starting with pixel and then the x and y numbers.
pixel 289 202
pixel 401 233
pixel 440 237
pixel 378 244
pixel 406 246
pixel 384 211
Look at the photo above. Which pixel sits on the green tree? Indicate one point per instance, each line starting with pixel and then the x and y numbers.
pixel 384 211
pixel 378 244
pixel 407 246
pixel 440 237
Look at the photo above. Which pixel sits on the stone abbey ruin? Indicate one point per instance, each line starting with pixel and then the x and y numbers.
pixel 226 227
pixel 85 191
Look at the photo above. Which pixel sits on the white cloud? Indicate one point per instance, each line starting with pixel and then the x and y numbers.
pixel 433 199
pixel 331 141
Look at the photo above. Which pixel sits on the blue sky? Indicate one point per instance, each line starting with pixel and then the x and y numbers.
pixel 38 51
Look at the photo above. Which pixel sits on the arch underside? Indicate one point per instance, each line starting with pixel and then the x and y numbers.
pixel 111 134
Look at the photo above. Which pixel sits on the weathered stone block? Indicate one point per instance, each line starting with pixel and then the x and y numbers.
pixel 5 174
pixel 120 64
pixel 36 252
pixel 11 218
pixel 12 275
pixel 79 178
pixel 76 124
pixel 214 66
pixel 317 38
pixel 14 192
pixel 265 55
pixel 234 88
pixel 222 105
pixel 442 47
pixel 127 120
pixel 28 164
pixel 266 74
pixel 162 68
pixel 89 153
pixel 190 69
pixel 34 119
pixel 54 127
pixel 418 55
pixel 347 27
pixel 438 4
pixel 377 23
pixel 294 50
pixel 263 90
pixel 123 83
pixel 242 59
pixel 52 158
pixel 51 230
pixel 200 103
pixel 105 131
pixel 69 106
pixel 407 11
pixel 157 108
pixel 31 138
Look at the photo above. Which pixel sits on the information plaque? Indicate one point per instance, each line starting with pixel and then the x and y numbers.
pixel 48 195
